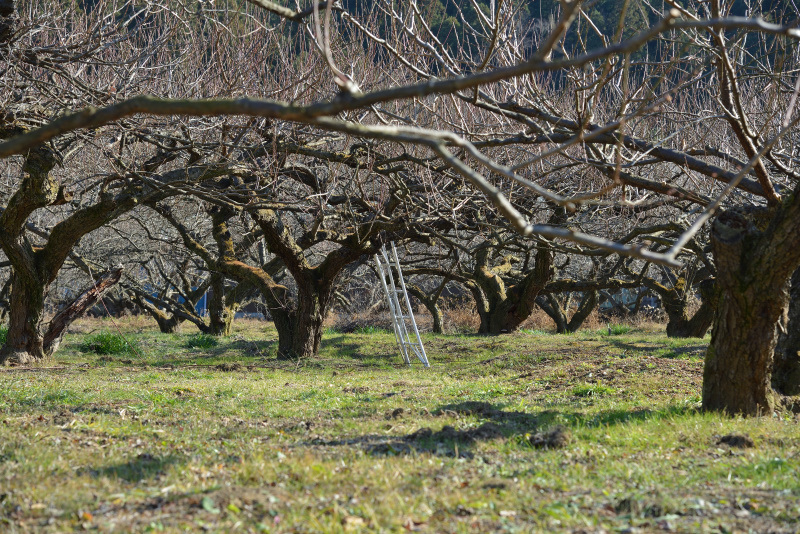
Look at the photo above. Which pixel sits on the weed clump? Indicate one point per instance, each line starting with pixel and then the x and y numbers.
pixel 591 390
pixel 201 341
pixel 106 343
pixel 614 329
pixel 3 334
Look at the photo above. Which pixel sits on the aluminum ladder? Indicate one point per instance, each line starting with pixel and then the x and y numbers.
pixel 397 297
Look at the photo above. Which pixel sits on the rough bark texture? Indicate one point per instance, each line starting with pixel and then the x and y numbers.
pixel 679 323
pixel 87 299
pixel 24 341
pixel 502 304
pixel 306 333
pixel 755 253
pixel 786 368
pixel 221 308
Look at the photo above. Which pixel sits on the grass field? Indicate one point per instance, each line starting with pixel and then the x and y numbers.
pixel 588 432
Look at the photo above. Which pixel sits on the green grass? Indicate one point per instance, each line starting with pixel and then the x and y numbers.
pixel 202 341
pixel 533 332
pixel 107 343
pixel 370 329
pixel 3 335
pixel 355 441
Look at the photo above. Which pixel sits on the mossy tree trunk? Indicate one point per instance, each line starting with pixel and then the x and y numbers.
pixel 221 307
pixel 503 305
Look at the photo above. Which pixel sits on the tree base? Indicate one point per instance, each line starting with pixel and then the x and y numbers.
pixel 17 357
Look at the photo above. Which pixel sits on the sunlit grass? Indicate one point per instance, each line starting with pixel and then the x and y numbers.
pixel 357 441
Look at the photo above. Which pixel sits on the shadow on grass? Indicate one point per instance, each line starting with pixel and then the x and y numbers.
pixel 242 351
pixel 144 466
pixel 547 429
pixel 382 352
pixel 664 350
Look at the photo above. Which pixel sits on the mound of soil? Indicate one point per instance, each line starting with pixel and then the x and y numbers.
pixel 555 438
pixel 741 441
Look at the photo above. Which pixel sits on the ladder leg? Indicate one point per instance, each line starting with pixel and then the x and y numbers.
pixel 421 352
pixel 408 339
pixel 392 308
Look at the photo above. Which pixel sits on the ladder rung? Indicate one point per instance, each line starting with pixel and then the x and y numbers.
pixel 396 296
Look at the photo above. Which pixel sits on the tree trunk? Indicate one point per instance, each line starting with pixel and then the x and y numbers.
pixel 553 309
pixel 5 305
pixel 300 331
pixel 438 319
pixel 752 297
pixel 549 303
pixel 786 368
pixel 482 305
pixel 220 313
pixel 679 323
pixel 24 341
pixel 168 324
pixel 588 304
pixel 87 299
pixel 431 303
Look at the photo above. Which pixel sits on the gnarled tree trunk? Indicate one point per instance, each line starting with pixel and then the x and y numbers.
pixel 556 312
pixel 501 307
pixel 300 329
pixel 679 323
pixel 786 368
pixel 753 268
pixel 25 340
